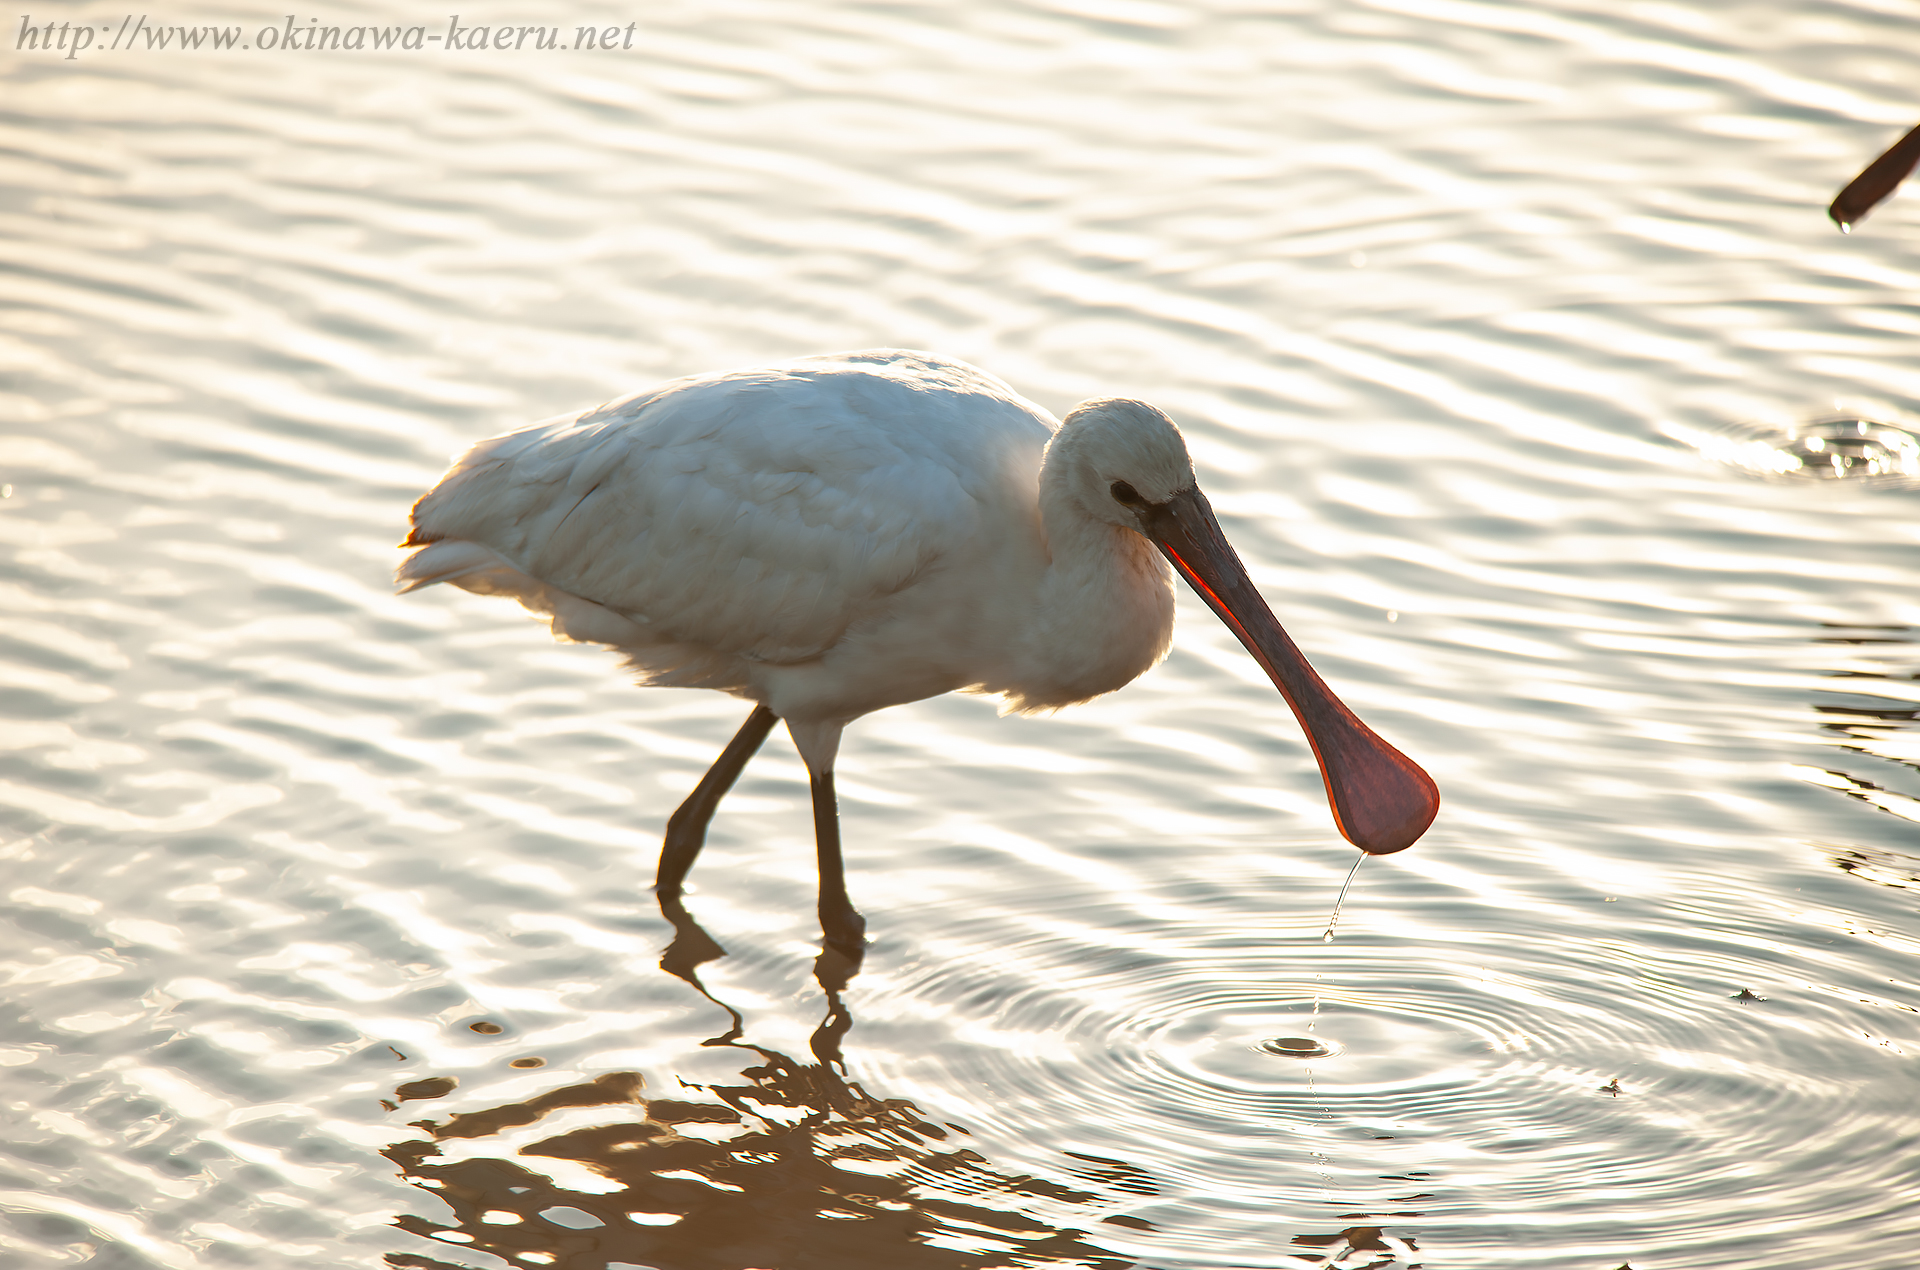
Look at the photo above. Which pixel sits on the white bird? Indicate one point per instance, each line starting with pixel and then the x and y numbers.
pixel 834 535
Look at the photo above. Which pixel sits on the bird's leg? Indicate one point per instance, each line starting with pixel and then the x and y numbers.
pixel 844 928
pixel 687 827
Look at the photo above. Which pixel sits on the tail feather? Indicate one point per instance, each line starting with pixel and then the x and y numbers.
pixel 472 567
pixel 446 561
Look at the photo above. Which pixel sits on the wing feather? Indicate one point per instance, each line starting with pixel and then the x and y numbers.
pixel 756 514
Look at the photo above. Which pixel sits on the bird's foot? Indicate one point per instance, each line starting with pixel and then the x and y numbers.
pixel 841 953
pixel 845 931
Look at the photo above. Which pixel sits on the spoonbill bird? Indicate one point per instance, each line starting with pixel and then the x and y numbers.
pixel 832 535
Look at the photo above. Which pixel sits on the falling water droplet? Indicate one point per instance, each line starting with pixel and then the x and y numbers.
pixel 1313 1020
pixel 1341 899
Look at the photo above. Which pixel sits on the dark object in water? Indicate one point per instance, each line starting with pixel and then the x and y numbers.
pixel 431 1087
pixel 1876 181
pixel 1300 1047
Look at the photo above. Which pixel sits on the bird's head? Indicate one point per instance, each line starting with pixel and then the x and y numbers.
pixel 1120 458
pixel 1125 463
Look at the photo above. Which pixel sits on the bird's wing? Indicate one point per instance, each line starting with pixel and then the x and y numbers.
pixel 758 514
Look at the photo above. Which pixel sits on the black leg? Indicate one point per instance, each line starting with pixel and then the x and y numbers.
pixel 687 827
pixel 844 928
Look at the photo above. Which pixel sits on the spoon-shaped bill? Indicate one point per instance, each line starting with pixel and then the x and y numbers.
pixel 1876 181
pixel 1381 799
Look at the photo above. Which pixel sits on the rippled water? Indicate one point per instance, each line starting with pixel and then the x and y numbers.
pixel 329 935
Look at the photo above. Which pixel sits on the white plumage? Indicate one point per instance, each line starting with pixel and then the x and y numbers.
pixel 833 535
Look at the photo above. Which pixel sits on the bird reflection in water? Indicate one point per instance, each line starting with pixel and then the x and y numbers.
pixel 797 1166
pixel 794 1168
pixel 1359 1248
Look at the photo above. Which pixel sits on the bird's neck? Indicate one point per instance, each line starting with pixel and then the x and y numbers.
pixel 1104 609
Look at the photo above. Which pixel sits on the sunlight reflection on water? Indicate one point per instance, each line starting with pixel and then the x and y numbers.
pixel 1497 331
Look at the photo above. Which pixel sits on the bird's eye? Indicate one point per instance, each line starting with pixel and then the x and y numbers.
pixel 1127 496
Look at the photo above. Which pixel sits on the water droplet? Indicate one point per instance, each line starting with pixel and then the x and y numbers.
pixel 1338 901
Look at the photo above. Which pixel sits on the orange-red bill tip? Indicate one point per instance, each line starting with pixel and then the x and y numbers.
pixel 1381 799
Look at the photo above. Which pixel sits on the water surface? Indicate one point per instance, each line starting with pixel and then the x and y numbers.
pixel 329 936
